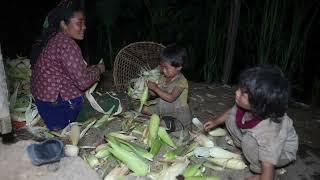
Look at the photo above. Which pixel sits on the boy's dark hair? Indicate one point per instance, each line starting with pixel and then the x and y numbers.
pixel 64 11
pixel 268 91
pixel 174 54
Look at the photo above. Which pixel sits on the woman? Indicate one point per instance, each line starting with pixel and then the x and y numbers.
pixel 60 75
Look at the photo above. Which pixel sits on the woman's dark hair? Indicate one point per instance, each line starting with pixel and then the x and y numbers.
pixel 267 89
pixel 174 54
pixel 64 11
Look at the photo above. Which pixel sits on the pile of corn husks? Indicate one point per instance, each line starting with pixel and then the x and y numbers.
pixel 147 150
pixel 22 108
pixel 140 149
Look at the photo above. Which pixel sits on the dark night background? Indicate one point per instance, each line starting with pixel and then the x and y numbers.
pixel 21 22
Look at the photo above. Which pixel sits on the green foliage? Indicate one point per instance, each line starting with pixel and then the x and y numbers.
pixel 269 32
pixel 316 92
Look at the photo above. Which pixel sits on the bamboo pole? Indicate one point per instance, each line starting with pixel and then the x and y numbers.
pixel 231 40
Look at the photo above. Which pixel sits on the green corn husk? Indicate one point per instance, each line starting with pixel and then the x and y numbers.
pixel 139 129
pixel 155 146
pixel 122 136
pixel 92 160
pixel 102 153
pixel 137 149
pixel 105 119
pixel 153 128
pixel 193 170
pixel 144 98
pixel 170 155
pixel 164 136
pixel 133 161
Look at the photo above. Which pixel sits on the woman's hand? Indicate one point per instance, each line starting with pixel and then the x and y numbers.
pixel 101 68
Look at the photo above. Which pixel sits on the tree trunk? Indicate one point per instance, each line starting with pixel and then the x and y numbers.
pixel 231 41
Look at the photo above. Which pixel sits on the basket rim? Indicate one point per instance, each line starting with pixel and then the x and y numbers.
pixel 121 51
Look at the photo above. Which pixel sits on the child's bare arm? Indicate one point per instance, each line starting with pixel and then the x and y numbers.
pixel 153 94
pixel 169 97
pixel 267 171
pixel 215 121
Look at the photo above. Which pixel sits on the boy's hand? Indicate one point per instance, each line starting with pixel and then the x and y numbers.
pixel 152 85
pixel 216 120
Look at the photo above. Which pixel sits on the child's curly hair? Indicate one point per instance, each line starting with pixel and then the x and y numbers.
pixel 174 54
pixel 268 91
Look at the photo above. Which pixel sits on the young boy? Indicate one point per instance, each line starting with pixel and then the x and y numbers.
pixel 258 123
pixel 172 90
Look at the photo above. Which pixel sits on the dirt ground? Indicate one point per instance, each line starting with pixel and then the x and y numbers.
pixel 205 100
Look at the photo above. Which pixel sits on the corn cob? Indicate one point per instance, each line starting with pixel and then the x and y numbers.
pixel 164 136
pixel 134 163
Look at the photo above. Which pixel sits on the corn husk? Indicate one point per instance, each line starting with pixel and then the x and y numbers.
pixel 218 132
pixel 117 172
pixel 197 123
pixel 230 163
pixel 213 167
pixel 105 119
pixel 84 131
pixel 92 160
pixel 153 128
pixel 155 146
pixel 140 151
pixel 202 152
pixel 144 98
pixel 95 104
pixel 137 85
pixel 218 152
pixel 133 161
pixel 165 137
pixel 170 155
pixel 193 170
pixel 174 170
pixel 102 153
pixel 202 140
pixel 122 136
pixel 229 141
pixel 74 133
pixel 101 146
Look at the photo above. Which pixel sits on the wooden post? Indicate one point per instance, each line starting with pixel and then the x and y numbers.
pixel 231 41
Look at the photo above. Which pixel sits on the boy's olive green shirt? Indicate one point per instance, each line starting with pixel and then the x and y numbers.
pixel 178 108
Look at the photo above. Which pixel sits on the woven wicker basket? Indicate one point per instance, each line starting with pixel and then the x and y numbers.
pixel 131 59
